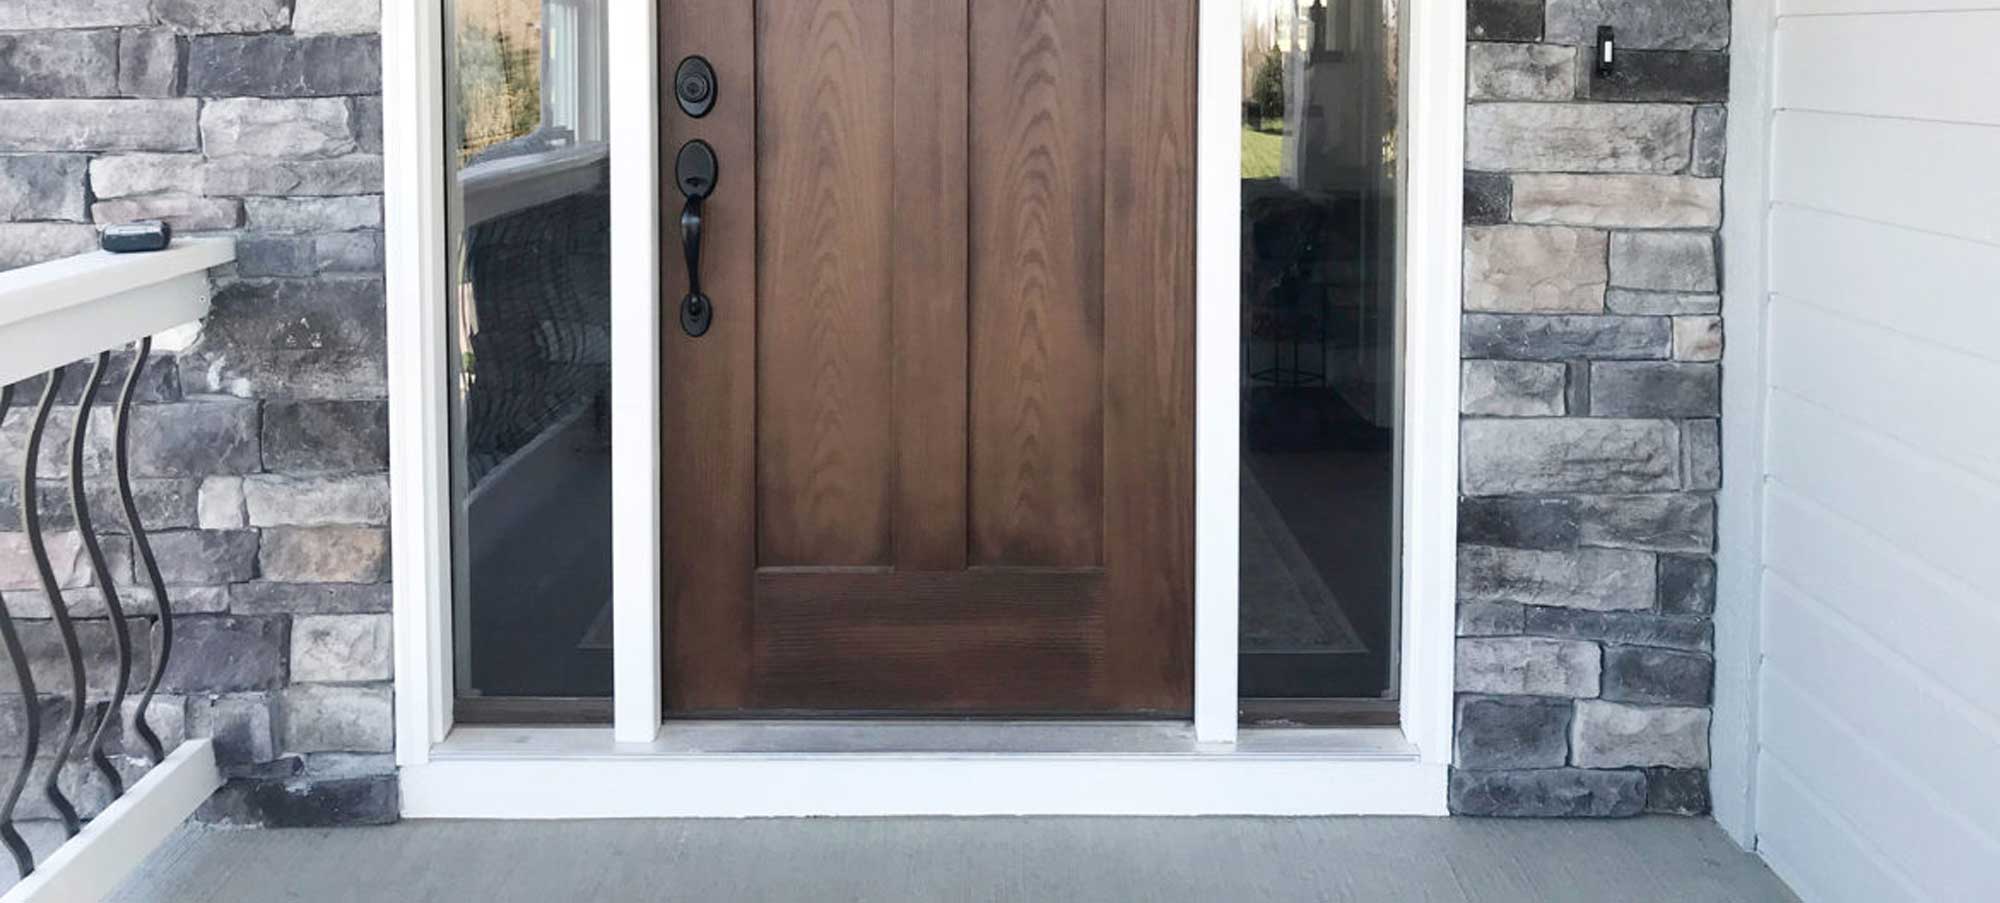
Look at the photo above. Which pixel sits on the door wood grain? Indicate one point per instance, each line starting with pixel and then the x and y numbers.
pixel 936 454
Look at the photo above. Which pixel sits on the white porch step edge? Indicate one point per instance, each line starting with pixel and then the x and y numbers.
pixel 94 862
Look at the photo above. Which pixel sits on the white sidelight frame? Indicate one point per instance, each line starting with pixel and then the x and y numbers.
pixel 637 768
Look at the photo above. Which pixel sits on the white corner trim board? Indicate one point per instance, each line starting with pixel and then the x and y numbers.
pixel 91 865
pixel 640 768
pixel 70 309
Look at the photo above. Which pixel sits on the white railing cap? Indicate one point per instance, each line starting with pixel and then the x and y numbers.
pixel 69 309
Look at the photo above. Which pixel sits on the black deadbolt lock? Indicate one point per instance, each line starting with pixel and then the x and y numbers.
pixel 694 86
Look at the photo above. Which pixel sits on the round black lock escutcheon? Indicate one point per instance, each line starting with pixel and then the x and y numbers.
pixel 695 86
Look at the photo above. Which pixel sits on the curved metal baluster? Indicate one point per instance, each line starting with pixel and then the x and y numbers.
pixel 164 634
pixel 121 636
pixel 31 521
pixel 24 858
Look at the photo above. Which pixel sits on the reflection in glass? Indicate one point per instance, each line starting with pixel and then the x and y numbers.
pixel 530 311
pixel 1319 304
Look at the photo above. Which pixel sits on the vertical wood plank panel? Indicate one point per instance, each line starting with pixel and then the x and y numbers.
pixel 930 284
pixel 1037 282
pixel 708 385
pixel 1149 350
pixel 826 156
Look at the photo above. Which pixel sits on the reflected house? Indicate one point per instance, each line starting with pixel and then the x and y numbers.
pixel 1320 351
pixel 532 451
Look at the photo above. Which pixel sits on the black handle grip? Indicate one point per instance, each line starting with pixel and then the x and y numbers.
pixel 695 171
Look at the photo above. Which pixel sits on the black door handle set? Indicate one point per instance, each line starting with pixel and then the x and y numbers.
pixel 695 171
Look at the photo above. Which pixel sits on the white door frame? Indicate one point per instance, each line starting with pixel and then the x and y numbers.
pixel 636 768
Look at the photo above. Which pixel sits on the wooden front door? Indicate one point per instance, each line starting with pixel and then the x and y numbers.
pixel 935 452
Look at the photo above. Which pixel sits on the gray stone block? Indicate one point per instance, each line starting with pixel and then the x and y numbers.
pixel 1529 457
pixel 162 504
pixel 58 63
pixel 337 16
pixel 224 16
pixel 318 437
pixel 285 501
pixel 1504 20
pixel 1520 71
pixel 26 16
pixel 1641 674
pixel 220 506
pixel 241 724
pixel 341 648
pixel 184 213
pixel 1638 628
pixel 45 126
pixel 1511 733
pixel 367 119
pixel 1702 442
pixel 1687 585
pixel 192 439
pixel 287 374
pixel 69 561
pixel 1523 269
pixel 1618 200
pixel 1629 301
pixel 325 555
pixel 1488 198
pixel 292 803
pixel 278 65
pixel 309 214
pixel 297 315
pixel 166 715
pixel 206 557
pixel 1548 793
pixel 151 62
pixel 43 186
pixel 1698 338
pixel 1677 791
pixel 1711 141
pixel 1519 523
pixel 311 598
pixel 125 175
pixel 1570 137
pixel 1664 261
pixel 321 718
pixel 24 244
pixel 1512 388
pixel 349 252
pixel 1644 24
pixel 1566 337
pixel 1596 579
pixel 1662 75
pixel 42 646
pixel 226 654
pixel 1616 735
pixel 295 128
pixel 1527 666
pixel 261 256
pixel 1659 523
pixel 1655 389
pixel 257 176
pixel 1489 619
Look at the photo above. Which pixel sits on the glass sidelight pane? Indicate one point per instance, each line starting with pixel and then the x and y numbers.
pixel 1320 351
pixel 530 340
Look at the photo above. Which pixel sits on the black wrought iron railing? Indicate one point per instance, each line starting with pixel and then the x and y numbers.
pixel 80 737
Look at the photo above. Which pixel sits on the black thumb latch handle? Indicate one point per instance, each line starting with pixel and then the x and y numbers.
pixel 695 172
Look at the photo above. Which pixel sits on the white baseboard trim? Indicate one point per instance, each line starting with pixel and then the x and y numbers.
pixel 93 863
pixel 581 774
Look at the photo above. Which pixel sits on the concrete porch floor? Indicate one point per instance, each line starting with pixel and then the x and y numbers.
pixel 1039 859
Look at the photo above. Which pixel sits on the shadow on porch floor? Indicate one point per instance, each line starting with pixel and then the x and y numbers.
pixel 1221 859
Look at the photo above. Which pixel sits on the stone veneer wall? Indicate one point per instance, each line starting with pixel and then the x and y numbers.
pixel 1592 393
pixel 262 446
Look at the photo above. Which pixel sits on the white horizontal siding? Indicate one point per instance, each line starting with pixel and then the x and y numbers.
pixel 1878 711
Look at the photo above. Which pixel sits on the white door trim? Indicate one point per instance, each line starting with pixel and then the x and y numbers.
pixel 624 773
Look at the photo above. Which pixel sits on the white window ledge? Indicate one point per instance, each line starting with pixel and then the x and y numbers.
pixel 66 310
pixel 496 188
